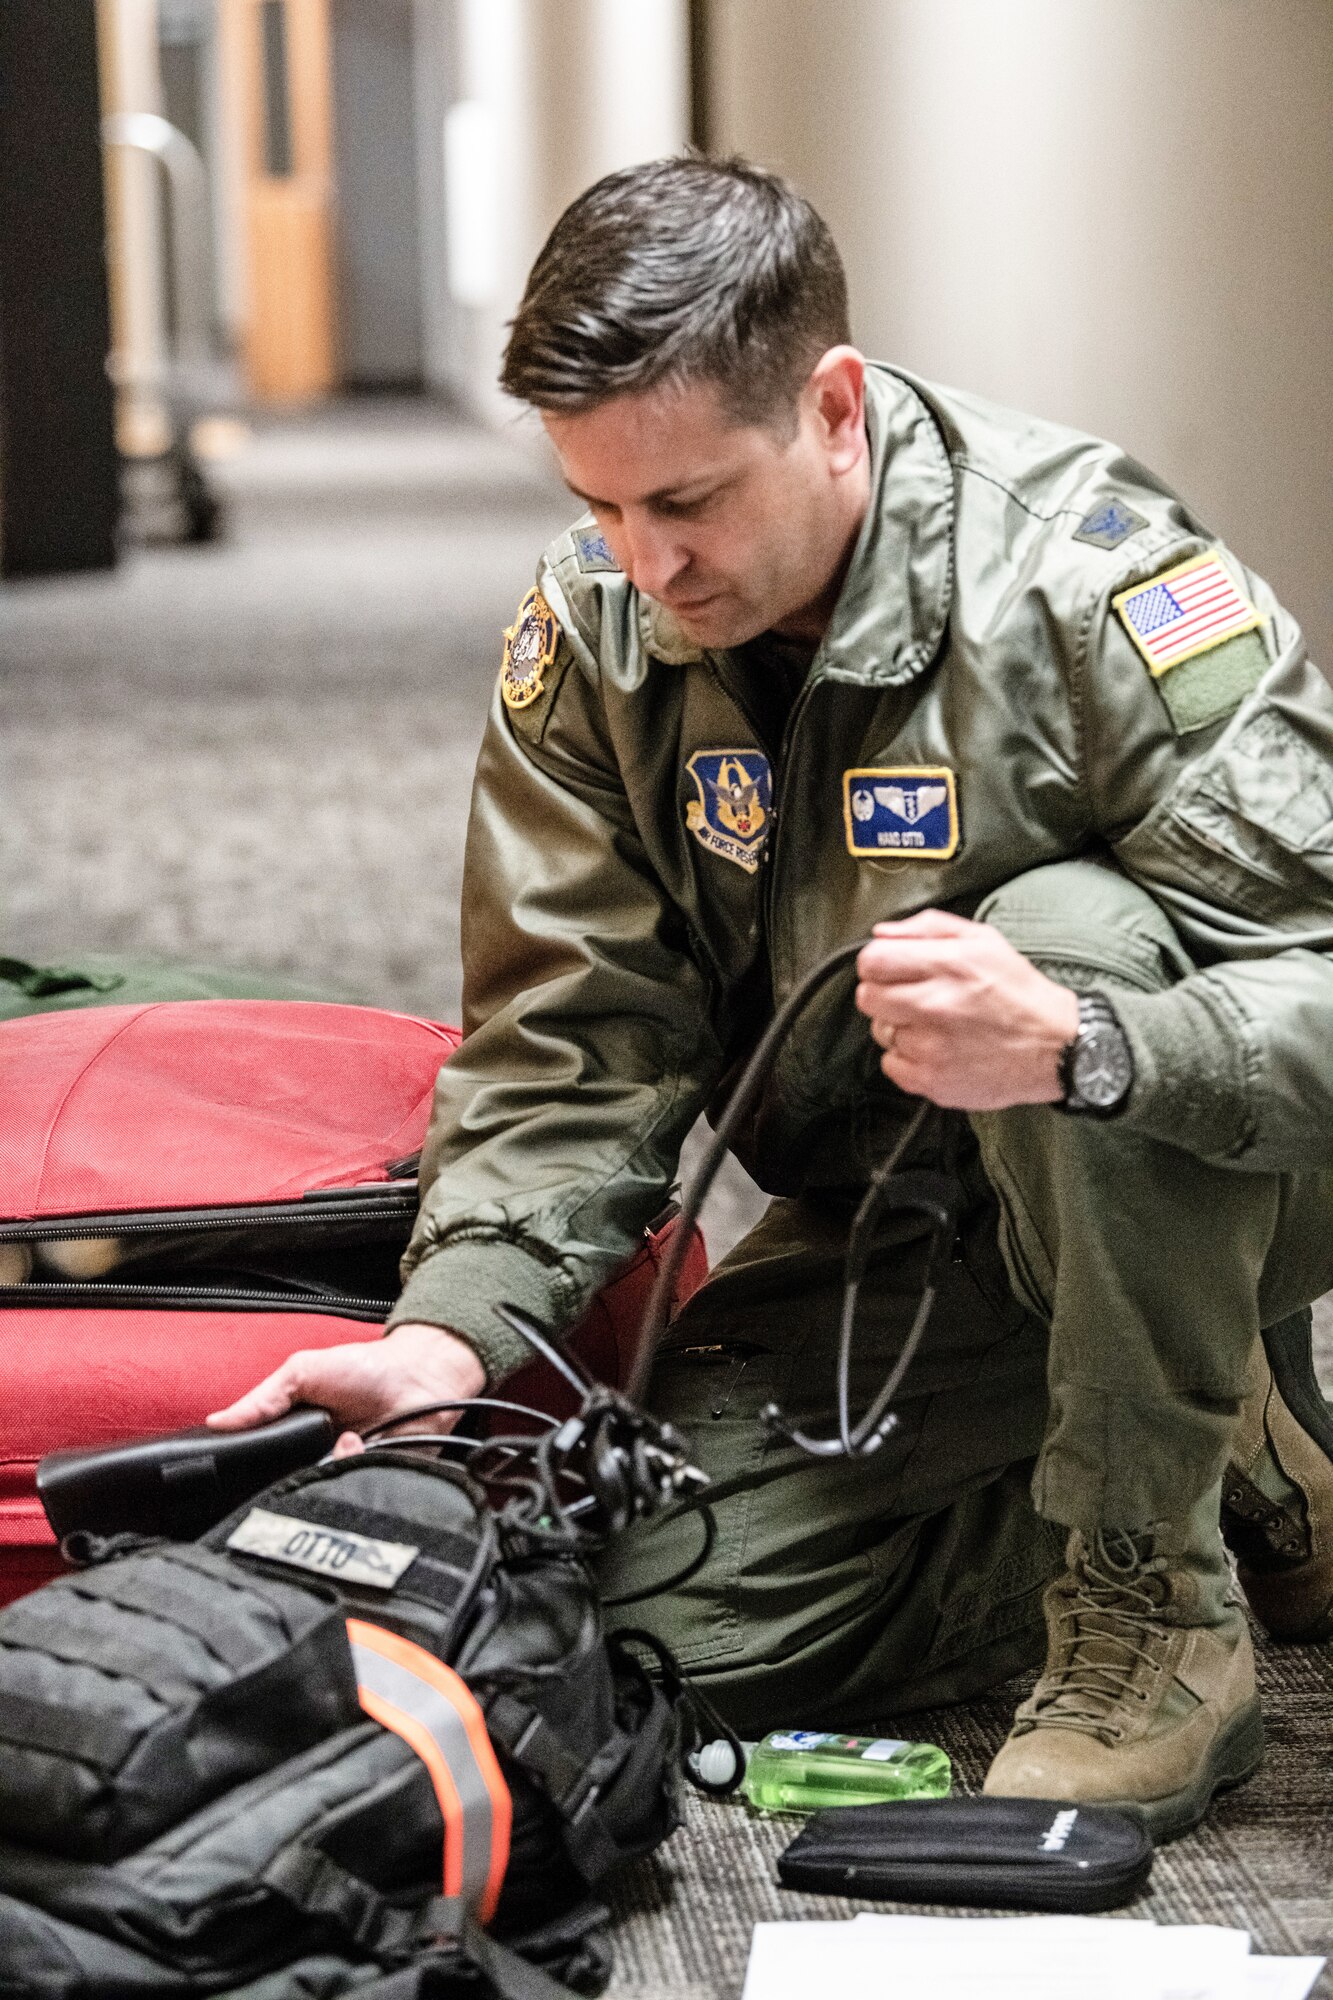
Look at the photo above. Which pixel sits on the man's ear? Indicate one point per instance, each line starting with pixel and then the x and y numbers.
pixel 836 391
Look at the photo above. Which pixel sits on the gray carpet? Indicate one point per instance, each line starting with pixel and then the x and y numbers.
pixel 1262 1861
pixel 259 754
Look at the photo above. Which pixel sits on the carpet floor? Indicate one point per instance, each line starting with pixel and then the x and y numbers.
pixel 1262 1861
pixel 258 754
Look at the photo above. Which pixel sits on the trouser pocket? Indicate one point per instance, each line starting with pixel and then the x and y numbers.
pixel 714 1391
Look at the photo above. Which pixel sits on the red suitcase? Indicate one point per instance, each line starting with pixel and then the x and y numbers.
pixel 201 1187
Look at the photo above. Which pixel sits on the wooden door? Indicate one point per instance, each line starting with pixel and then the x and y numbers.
pixel 278 96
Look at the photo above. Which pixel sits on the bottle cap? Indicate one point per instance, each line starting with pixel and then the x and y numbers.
pixel 716 1762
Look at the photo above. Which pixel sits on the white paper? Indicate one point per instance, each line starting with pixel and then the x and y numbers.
pixel 944 1958
pixel 1186 1962
pixel 883 1957
pixel 1281 1978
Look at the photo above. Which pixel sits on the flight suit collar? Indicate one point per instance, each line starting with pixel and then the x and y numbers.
pixel 661 635
pixel 890 616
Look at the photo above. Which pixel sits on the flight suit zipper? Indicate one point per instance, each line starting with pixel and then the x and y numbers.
pixel 731 691
pixel 779 758
pixel 769 876
pixel 777 754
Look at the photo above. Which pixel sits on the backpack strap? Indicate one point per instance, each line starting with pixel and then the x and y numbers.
pixel 511 1977
pixel 431 1708
pixel 571 1785
pixel 435 1971
pixel 320 1887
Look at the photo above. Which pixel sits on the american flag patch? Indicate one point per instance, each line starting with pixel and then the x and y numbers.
pixel 1184 611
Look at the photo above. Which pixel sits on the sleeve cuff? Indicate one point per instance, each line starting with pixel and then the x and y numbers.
pixel 1192 1081
pixel 458 1286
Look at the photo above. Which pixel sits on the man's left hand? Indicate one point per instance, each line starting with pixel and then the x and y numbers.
pixel 962 1017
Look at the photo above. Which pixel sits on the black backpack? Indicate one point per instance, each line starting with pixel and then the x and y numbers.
pixel 214 1783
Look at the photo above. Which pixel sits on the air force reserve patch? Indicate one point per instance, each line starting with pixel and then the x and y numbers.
pixel 731 814
pixel 530 647
pixel 906 813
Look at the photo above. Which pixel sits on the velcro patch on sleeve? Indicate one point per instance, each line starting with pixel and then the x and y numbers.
pixel 1185 611
pixel 1213 685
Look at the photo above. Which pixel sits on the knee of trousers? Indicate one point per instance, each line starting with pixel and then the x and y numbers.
pixel 1091 1210
pixel 1086 924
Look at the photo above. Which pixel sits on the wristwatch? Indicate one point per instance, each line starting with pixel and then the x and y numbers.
pixel 1096 1068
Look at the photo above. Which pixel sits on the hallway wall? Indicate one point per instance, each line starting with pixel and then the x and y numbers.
pixel 555 93
pixel 1115 213
pixel 379 292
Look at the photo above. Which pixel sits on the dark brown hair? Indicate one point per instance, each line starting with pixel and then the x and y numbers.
pixel 682 270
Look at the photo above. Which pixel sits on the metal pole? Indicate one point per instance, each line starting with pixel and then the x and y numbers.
pixel 187 181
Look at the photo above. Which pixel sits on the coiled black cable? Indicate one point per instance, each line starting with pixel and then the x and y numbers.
pixel 931 1195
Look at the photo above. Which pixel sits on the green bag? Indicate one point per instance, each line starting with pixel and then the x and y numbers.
pixel 102 981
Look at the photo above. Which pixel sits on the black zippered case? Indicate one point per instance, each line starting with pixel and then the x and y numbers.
pixel 1008 1854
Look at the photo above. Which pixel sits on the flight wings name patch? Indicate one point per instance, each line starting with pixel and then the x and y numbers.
pixel 731 814
pixel 530 647
pixel 1184 611
pixel 902 812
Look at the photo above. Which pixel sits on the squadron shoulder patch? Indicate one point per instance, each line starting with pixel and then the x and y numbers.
pixel 906 812
pixel 530 647
pixel 1184 611
pixel 731 814
pixel 1107 526
pixel 593 552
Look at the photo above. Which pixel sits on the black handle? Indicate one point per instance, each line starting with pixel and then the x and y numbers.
pixel 177 1485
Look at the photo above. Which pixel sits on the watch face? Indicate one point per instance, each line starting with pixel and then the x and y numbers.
pixel 1102 1070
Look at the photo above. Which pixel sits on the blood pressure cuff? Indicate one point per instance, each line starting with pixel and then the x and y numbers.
pixel 1021 1854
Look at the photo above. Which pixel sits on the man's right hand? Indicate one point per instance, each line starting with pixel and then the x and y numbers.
pixel 365 1383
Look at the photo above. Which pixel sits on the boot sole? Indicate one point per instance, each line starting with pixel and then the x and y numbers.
pixel 1236 1756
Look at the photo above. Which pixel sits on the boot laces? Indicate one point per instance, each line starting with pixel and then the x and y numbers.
pixel 1110 1630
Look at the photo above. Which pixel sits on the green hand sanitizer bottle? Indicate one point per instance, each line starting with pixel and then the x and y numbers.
pixel 803 1770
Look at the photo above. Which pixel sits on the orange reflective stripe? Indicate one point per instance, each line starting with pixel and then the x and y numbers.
pixel 418 1737
pixel 423 1701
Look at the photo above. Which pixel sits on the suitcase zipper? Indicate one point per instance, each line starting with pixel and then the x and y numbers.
pixel 190 1298
pixel 323 1209
pixel 376 1201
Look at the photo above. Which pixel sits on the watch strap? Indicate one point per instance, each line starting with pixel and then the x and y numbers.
pixel 1094 1011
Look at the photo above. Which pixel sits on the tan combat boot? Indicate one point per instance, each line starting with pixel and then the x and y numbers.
pixel 1148 1697
pixel 1277 1491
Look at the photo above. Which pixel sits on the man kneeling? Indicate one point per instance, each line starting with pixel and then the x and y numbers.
pixel 835 652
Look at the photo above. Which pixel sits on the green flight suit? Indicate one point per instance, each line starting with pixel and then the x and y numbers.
pixel 1166 836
